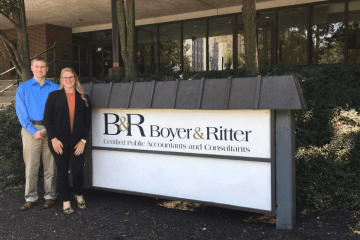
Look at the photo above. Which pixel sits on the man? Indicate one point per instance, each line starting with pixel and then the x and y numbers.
pixel 30 104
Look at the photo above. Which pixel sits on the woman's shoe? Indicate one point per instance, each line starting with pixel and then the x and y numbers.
pixel 68 210
pixel 81 204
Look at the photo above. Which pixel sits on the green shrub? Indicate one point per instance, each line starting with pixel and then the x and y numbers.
pixel 11 156
pixel 188 75
pixel 327 135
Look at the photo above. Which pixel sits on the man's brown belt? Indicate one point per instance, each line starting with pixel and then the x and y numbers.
pixel 37 122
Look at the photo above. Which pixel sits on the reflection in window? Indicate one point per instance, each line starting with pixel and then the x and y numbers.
pixel 328 33
pixel 354 32
pixel 241 49
pixel 220 43
pixel 240 42
pixel 170 45
pixel 264 21
pixel 194 45
pixel 292 36
pixel 264 46
pixel 147 50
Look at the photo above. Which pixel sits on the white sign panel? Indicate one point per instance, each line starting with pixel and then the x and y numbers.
pixel 235 133
pixel 233 182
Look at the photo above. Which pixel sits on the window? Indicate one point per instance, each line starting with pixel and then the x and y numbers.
pixel 354 32
pixel 221 43
pixel 328 37
pixel 292 36
pixel 147 49
pixel 264 23
pixel 170 48
pixel 194 42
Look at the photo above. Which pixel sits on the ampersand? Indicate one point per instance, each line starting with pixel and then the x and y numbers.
pixel 122 123
pixel 198 133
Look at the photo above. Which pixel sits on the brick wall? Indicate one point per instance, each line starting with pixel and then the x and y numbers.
pixel 41 37
pixel 59 35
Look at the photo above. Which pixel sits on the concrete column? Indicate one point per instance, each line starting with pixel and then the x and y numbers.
pixel 285 169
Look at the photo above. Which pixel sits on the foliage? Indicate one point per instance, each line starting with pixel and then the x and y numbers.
pixel 6 5
pixel 228 60
pixel 172 76
pixel 327 134
pixel 170 56
pixel 169 60
pixel 292 46
pixel 11 159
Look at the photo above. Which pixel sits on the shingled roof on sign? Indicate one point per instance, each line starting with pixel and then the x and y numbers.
pixel 272 92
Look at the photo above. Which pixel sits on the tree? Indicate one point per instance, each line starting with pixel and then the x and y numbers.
pixel 249 13
pixel 128 36
pixel 229 61
pixel 14 11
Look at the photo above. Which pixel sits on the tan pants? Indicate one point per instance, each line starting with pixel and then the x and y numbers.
pixel 33 150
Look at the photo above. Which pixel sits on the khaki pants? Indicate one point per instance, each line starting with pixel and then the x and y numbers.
pixel 33 150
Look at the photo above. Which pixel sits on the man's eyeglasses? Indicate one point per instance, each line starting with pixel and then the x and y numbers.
pixel 68 78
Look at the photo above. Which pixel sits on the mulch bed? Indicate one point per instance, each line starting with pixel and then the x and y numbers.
pixel 122 216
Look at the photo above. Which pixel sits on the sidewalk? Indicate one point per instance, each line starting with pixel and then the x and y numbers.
pixel 128 217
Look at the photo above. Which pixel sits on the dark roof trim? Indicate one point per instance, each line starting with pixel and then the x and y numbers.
pixel 273 92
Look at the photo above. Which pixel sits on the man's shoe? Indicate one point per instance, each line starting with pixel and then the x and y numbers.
pixel 48 203
pixel 27 206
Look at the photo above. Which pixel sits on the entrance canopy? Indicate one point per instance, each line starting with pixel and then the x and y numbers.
pixel 83 13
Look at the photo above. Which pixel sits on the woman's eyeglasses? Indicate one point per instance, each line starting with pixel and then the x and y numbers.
pixel 68 78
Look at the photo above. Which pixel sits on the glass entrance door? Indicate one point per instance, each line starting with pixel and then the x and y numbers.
pixel 97 63
pixel 101 55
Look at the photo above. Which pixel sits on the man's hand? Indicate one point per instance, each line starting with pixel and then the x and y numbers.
pixel 57 145
pixel 39 135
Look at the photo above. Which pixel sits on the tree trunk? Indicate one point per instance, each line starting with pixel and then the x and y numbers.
pixel 128 35
pixel 19 55
pixel 249 14
pixel 23 43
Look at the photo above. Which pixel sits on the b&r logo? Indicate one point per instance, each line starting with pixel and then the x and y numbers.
pixel 134 121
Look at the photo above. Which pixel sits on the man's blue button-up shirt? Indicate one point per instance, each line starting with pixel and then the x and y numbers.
pixel 30 102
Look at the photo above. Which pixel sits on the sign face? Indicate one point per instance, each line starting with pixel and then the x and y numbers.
pixel 202 146
pixel 223 133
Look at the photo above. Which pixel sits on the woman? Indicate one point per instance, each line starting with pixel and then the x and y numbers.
pixel 67 119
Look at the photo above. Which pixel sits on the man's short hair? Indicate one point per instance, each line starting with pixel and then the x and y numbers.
pixel 42 59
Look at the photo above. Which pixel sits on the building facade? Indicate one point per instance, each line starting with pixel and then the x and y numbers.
pixel 201 35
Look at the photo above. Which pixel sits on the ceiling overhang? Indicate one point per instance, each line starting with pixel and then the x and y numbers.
pixel 80 14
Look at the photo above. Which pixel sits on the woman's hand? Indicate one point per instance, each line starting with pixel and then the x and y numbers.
pixel 79 148
pixel 57 145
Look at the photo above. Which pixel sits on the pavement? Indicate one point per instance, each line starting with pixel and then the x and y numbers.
pixel 111 215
